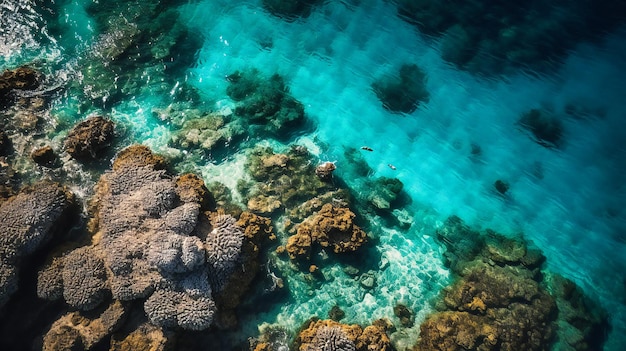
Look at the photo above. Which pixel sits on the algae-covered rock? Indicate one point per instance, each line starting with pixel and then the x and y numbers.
pixel 331 335
pixel 21 78
pixel 75 331
pixel 285 177
pixel 331 227
pixel 89 137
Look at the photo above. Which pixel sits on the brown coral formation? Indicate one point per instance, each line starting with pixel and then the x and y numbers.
pixel 89 137
pixel 499 300
pixel 146 337
pixel 28 221
pixel 74 331
pixel 334 336
pixel 332 227
pixel 257 232
pixel 283 180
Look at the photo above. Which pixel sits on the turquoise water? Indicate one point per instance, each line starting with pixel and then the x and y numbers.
pixel 569 201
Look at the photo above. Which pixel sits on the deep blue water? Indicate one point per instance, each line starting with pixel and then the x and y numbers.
pixel 568 200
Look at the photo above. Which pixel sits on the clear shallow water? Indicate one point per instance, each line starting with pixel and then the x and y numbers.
pixel 568 201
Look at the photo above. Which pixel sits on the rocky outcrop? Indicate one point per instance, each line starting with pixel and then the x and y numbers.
pixel 28 221
pixel 22 78
pixel 74 331
pixel 331 227
pixel 89 137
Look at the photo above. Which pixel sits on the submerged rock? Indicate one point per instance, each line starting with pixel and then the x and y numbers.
pixel 89 137
pixel 290 10
pixel 21 78
pixel 331 227
pixel 404 92
pixel 44 156
pixel 546 129
pixel 383 192
pixel 288 178
pixel 264 105
pixel 501 186
pixel 489 38
pixel 499 299
pixel 325 170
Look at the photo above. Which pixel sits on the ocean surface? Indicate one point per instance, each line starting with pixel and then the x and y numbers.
pixel 568 199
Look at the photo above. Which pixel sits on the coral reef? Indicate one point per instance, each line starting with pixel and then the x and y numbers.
pixel 499 300
pixel 89 137
pixel 78 276
pixel 146 337
pixel 207 132
pixel 330 227
pixel 142 247
pixel 223 247
pixel 74 331
pixel 264 105
pixel 168 308
pixel 383 192
pixel 484 37
pixel 84 279
pixel 402 92
pixel 330 335
pixel 153 242
pixel 28 221
pixel 257 234
pixel 330 339
pixel 288 178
